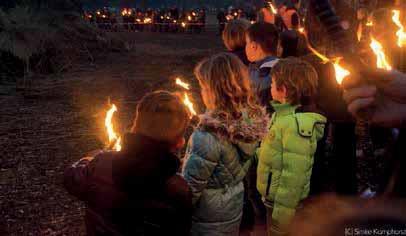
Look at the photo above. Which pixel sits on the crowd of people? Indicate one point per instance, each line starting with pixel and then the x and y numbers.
pixel 256 161
pixel 159 20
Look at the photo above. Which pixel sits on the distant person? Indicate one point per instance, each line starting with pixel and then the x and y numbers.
pixel 286 155
pixel 222 148
pixel 234 38
pixel 137 191
pixel 261 49
pixel 290 37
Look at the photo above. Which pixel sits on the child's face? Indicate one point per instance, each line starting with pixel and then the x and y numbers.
pixel 251 49
pixel 278 94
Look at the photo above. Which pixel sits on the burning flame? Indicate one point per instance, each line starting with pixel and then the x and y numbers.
pixel 189 104
pixel 301 30
pixel 381 61
pixel 359 33
pixel 147 20
pixel 252 22
pixel 189 18
pixel 401 34
pixel 186 99
pixel 104 16
pixel 340 72
pixel 369 23
pixel 113 137
pixel 182 84
pixel 183 24
pixel 273 9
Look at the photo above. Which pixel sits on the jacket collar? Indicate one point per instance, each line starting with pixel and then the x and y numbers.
pixel 283 109
pixel 258 64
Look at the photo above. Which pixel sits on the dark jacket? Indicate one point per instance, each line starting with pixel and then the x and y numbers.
pixel 240 53
pixel 133 192
pixel 260 76
pixel 289 42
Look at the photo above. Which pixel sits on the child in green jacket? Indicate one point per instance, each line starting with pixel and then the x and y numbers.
pixel 286 154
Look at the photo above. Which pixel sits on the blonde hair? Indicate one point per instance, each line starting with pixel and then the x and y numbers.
pixel 234 34
pixel 300 79
pixel 226 87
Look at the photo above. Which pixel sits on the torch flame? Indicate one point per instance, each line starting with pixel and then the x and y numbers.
pixel 183 24
pixel 401 34
pixel 182 84
pixel 340 72
pixel 273 9
pixel 369 23
pixel 301 30
pixel 359 33
pixel 381 61
pixel 113 137
pixel 189 105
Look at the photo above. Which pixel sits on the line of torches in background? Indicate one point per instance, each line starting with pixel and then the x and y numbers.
pixel 340 72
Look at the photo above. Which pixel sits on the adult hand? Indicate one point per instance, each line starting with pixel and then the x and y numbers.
pixel 384 98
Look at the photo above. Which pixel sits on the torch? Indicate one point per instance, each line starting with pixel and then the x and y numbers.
pixel 325 12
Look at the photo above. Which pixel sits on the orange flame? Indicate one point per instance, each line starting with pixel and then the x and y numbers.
pixel 183 24
pixel 182 84
pixel 381 61
pixel 301 30
pixel 273 9
pixel 113 137
pixel 340 72
pixel 189 105
pixel 369 23
pixel 147 20
pixel 401 34
pixel 359 33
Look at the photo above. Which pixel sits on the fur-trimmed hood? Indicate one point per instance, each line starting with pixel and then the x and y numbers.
pixel 250 127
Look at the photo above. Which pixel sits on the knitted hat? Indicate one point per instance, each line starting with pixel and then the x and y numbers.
pixel 162 116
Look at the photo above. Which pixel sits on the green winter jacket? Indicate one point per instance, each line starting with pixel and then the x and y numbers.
pixel 285 159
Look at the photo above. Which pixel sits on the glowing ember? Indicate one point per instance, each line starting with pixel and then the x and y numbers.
pixel 273 9
pixel 113 137
pixel 182 84
pixel 381 61
pixel 189 105
pixel 401 34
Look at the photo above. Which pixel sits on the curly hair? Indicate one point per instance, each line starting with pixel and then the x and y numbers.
pixel 300 79
pixel 226 86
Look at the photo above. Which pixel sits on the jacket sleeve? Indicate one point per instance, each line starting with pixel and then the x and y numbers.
pixel 202 155
pixel 76 177
pixel 296 165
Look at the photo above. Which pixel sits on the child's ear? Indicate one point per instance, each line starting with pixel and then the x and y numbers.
pixel 283 90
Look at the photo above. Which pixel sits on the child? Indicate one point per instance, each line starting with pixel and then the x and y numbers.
pixel 286 154
pixel 137 191
pixel 221 149
pixel 234 38
pixel 261 49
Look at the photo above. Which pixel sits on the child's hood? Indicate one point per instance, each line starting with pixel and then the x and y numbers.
pixel 245 131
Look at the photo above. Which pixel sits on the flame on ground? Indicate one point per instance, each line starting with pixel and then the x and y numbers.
pixel 381 61
pixel 112 135
pixel 182 84
pixel 189 105
pixel 401 34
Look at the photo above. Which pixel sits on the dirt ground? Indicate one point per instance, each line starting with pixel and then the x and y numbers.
pixel 61 119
